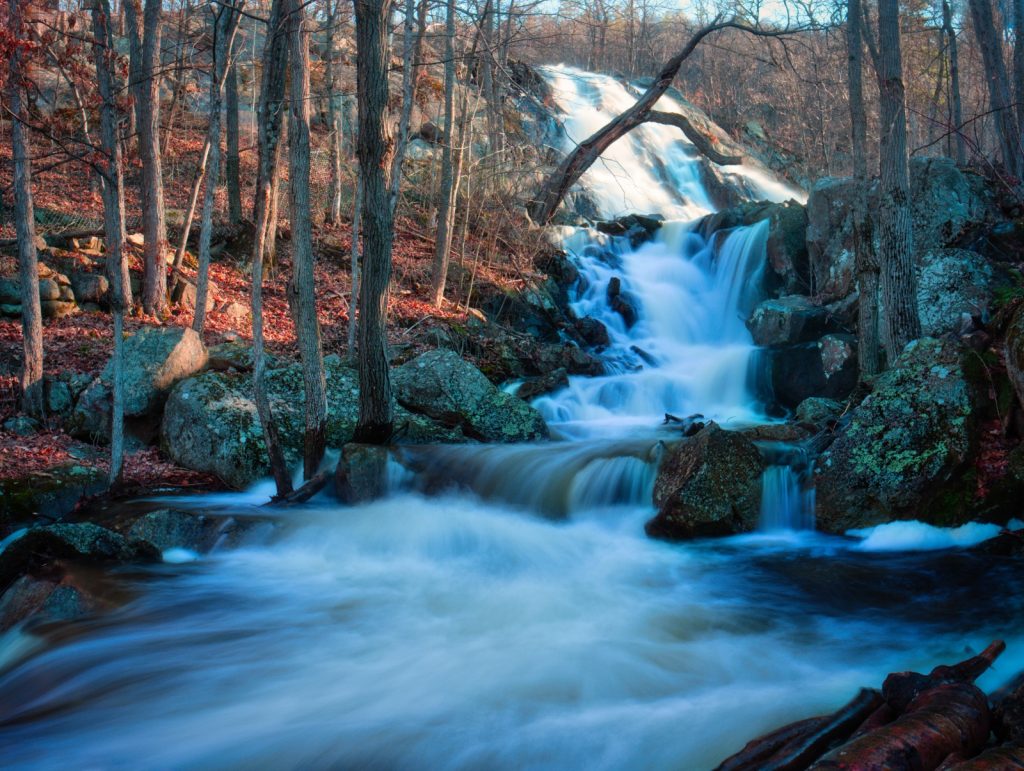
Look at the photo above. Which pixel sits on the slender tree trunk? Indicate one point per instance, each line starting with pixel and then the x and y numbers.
pixel 275 59
pixel 334 137
pixel 231 161
pixel 376 402
pixel 145 87
pixel 866 262
pixel 301 293
pixel 225 24
pixel 275 198
pixel 353 299
pixel 190 213
pixel 1018 72
pixel 957 116
pixel 409 57
pixel 446 204
pixel 32 397
pixel 1004 117
pixel 113 222
pixel 896 238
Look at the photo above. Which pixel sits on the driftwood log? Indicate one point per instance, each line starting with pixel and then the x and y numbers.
pixel 916 722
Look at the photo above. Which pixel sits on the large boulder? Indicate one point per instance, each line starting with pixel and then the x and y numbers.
pixel 210 422
pixel 902 454
pixel 951 283
pixel 830 238
pixel 445 387
pixel 787 321
pixel 945 202
pixel 708 485
pixel 826 367
pixel 155 358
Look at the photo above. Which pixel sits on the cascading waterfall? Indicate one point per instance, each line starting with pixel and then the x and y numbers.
pixel 787 497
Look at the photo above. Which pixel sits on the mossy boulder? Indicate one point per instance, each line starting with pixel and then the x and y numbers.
pixel 445 387
pixel 51 493
pixel 210 422
pixel 906 451
pixel 708 485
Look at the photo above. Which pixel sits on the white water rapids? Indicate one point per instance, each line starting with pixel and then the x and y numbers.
pixel 468 630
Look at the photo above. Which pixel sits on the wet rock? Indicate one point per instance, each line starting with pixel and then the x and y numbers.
pixel 569 357
pixel 169 529
pixel 593 332
pixel 709 485
pixel 545 384
pixel 155 358
pixel 210 422
pixel 52 493
pixel 443 386
pixel 623 302
pixel 362 473
pixel 42 600
pixel 818 411
pixel 36 548
pixel 787 321
pixel 950 283
pixel 825 368
pixel 903 452
pixel 638 228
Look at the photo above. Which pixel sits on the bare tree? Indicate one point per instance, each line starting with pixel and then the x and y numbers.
pixel 446 203
pixel 144 34
pixel 334 120
pixel 956 104
pixel 896 237
pixel 990 43
pixel 231 160
pixel 301 293
pixel 32 396
pixel 376 402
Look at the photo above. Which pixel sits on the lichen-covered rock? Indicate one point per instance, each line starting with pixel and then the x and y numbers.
pixel 902 453
pixel 943 202
pixel 52 493
pixel 155 358
pixel 442 385
pixel 210 422
pixel 708 485
pixel 951 283
pixel 818 410
pixel 787 321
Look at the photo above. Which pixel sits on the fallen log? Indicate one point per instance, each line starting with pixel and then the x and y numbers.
pixel 796 746
pixel 312 486
pixel 950 718
pixel 1006 758
pixel 901 688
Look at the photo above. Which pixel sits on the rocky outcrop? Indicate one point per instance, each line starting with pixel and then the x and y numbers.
pixel 56 296
pixel 787 321
pixel 952 284
pixel 827 367
pixel 445 387
pixel 708 485
pixel 155 358
pixel 906 446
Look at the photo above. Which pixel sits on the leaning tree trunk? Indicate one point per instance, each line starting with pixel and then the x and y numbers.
pixel 446 205
pixel 32 397
pixel 113 221
pixel 865 259
pixel 376 403
pixel 542 209
pixel 990 43
pixel 896 238
pixel 275 56
pixel 301 293
pixel 231 160
pixel 145 88
pixel 956 106
pixel 225 24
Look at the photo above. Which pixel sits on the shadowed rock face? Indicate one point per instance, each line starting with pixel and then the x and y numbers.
pixel 905 448
pixel 709 485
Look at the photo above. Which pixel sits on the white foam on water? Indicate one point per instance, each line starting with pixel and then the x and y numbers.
pixel 918 536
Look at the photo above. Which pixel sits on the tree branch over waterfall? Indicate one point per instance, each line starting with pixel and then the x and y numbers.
pixel 543 207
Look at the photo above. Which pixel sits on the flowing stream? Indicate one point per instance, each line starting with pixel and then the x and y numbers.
pixel 503 609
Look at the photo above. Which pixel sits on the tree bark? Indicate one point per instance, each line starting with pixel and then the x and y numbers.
pixel 145 49
pixel 410 56
pixel 353 298
pixel 376 402
pixel 896 237
pixel 33 399
pixel 225 24
pixel 231 160
pixel 446 203
pixel 956 106
pixel 301 293
pixel 865 259
pixel 275 59
pixel 1004 118
pixel 334 127
pixel 113 221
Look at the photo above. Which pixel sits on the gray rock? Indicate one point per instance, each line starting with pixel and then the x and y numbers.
pixel 1014 348
pixel 950 283
pixel 185 295
pixel 830 238
pixel 362 473
pixel 90 287
pixel 10 291
pixel 237 356
pixel 903 451
pixel 787 321
pixel 21 425
pixel 49 289
pixel 52 493
pixel 41 600
pixel 545 384
pixel 709 485
pixel 169 529
pixel 59 398
pixel 443 386
pixel 818 410
pixel 824 368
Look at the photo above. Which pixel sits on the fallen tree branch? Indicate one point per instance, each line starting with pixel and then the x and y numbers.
pixel 314 485
pixel 700 141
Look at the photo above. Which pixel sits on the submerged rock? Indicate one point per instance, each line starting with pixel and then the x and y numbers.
pixel 545 384
pixel 42 600
pixel 445 387
pixel 905 447
pixel 709 485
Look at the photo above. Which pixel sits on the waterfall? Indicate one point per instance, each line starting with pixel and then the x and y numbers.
pixel 787 496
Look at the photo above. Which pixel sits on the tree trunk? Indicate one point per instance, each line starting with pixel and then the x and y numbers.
pixel 334 128
pixel 1018 75
pixel 33 399
pixel 1004 118
pixel 446 204
pixel 896 237
pixel 865 259
pixel 113 222
pixel 410 55
pixel 376 403
pixel 957 116
pixel 225 24
pixel 145 89
pixel 190 213
pixel 301 293
pixel 231 161
pixel 275 59
pixel 353 298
